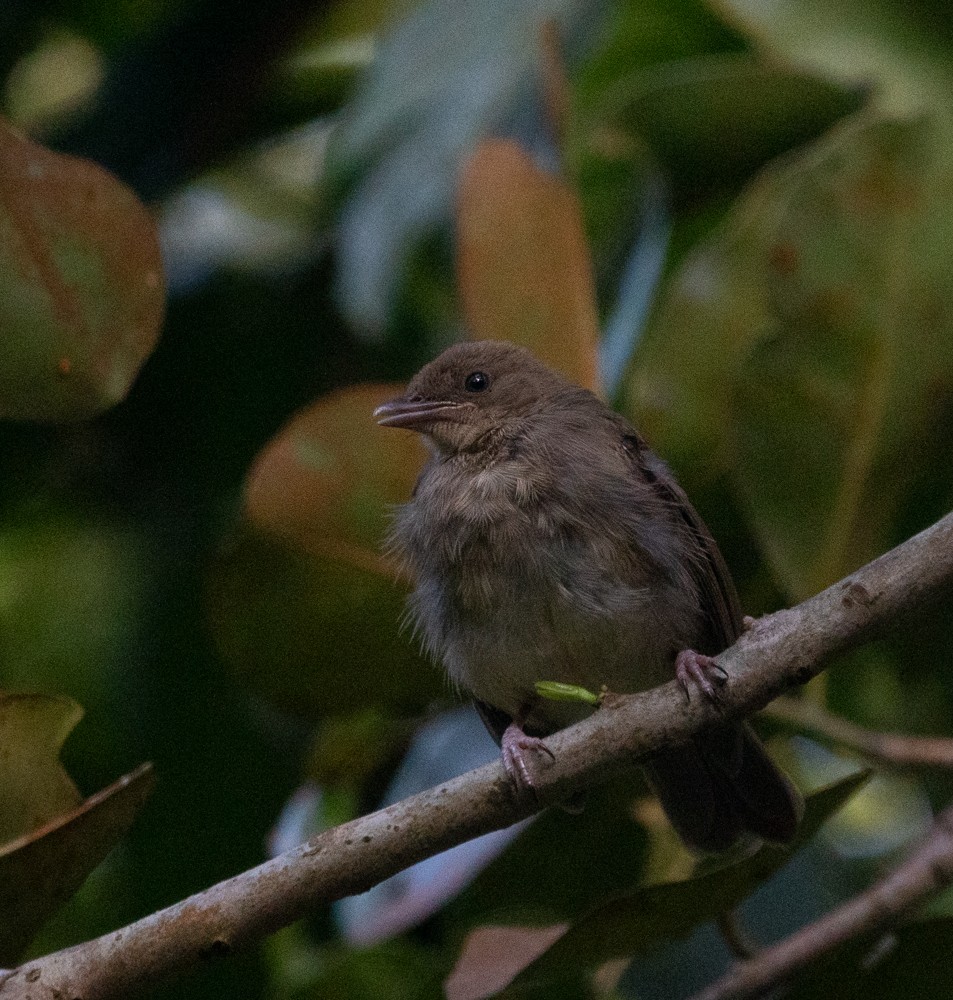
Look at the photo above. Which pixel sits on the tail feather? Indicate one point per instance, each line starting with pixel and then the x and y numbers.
pixel 722 785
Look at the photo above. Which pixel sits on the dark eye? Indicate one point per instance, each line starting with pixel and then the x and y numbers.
pixel 477 382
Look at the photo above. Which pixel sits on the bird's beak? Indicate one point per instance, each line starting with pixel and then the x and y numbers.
pixel 416 414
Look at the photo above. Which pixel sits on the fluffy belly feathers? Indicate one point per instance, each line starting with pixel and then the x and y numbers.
pixel 508 594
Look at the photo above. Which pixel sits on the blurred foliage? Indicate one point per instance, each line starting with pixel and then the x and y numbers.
pixel 826 338
pixel 627 922
pixel 50 839
pixel 514 219
pixel 82 294
pixel 751 201
pixel 902 963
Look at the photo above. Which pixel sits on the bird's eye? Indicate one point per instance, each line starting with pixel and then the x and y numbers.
pixel 477 382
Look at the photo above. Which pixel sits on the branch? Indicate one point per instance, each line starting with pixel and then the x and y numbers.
pixel 927 871
pixel 892 748
pixel 779 651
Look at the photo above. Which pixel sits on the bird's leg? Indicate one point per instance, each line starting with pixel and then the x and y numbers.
pixel 515 744
pixel 697 670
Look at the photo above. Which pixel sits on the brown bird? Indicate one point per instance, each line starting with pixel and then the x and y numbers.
pixel 548 542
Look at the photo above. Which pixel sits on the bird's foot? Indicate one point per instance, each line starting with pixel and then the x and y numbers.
pixel 697 670
pixel 515 745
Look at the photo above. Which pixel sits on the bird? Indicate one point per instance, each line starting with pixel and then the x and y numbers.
pixel 547 541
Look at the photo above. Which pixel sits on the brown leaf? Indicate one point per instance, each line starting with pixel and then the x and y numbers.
pixel 81 284
pixel 303 595
pixel 523 266
pixel 40 870
pixel 327 480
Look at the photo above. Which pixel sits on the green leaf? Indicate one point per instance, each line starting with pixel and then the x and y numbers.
pixel 807 347
pixel 50 839
pixel 316 635
pixel 640 33
pixel 557 691
pixel 399 968
pixel 859 352
pixel 896 48
pixel 635 922
pixel 81 284
pixel 347 750
pixel 71 604
pixel 34 788
pixel 714 120
pixel 601 851
pixel 42 869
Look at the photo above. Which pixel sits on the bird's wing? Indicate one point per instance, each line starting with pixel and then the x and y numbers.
pixel 716 589
pixel 722 782
pixel 494 719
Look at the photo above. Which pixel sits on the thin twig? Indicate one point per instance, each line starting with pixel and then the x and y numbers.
pixel 927 871
pixel 892 748
pixel 776 653
pixel 735 936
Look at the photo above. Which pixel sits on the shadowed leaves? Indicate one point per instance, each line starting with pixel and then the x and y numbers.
pixel 50 839
pixel 807 346
pixel 636 921
pixel 302 596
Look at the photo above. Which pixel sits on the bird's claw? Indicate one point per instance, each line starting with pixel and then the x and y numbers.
pixel 697 670
pixel 515 745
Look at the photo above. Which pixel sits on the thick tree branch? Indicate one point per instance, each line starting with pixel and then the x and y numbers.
pixel 779 651
pixel 891 748
pixel 927 871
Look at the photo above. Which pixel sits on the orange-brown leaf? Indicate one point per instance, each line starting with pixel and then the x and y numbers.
pixel 523 266
pixel 328 479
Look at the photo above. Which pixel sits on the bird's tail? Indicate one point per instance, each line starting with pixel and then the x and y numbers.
pixel 722 785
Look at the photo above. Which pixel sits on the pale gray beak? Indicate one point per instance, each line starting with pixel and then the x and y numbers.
pixel 415 413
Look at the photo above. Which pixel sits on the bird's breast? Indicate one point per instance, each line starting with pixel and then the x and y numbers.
pixel 513 587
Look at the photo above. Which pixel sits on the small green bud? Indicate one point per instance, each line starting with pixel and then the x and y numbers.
pixel 556 691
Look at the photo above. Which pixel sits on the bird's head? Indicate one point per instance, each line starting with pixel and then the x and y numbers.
pixel 471 390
